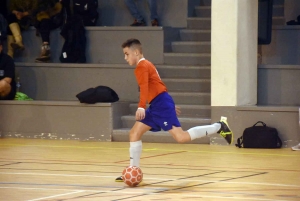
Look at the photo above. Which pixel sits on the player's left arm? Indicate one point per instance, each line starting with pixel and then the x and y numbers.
pixel 178 111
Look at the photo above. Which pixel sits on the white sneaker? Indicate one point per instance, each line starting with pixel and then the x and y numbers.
pixel 296 148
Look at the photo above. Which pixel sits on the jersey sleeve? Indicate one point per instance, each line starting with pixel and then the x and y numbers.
pixel 142 76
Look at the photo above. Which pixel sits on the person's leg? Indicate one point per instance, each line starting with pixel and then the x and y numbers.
pixel 11 18
pixel 135 135
pixel 135 149
pixel 202 131
pixel 44 29
pixel 220 127
pixel 153 10
pixel 182 136
pixel 16 32
pixel 133 9
pixel 10 49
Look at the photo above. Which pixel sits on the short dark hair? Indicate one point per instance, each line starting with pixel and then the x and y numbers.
pixel 132 42
pixel 1 42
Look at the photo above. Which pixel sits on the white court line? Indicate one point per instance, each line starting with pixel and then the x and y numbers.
pixel 45 189
pixel 59 195
pixel 159 179
pixel 141 193
pixel 234 198
pixel 50 189
pixel 252 183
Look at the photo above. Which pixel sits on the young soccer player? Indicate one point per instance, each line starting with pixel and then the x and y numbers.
pixel 162 113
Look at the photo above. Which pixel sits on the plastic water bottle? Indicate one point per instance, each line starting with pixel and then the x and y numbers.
pixel 18 84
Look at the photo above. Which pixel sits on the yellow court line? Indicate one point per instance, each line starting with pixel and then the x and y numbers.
pixel 152 149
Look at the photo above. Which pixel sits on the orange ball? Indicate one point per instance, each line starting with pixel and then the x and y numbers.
pixel 132 176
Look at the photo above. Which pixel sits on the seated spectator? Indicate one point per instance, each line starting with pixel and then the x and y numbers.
pixel 41 14
pixel 20 17
pixel 138 18
pixel 7 76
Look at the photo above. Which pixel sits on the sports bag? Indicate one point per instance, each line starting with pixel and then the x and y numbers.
pixel 259 137
pixel 98 94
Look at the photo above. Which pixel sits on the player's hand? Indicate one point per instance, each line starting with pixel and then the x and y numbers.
pixel 178 111
pixel 139 114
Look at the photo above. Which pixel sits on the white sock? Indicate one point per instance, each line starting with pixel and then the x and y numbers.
pixel 135 151
pixel 202 131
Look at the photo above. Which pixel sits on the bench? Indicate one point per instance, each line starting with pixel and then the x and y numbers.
pixel 61 120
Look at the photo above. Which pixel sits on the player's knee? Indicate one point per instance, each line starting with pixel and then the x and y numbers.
pixel 180 139
pixel 133 136
pixel 178 135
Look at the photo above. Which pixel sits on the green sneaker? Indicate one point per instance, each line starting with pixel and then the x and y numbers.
pixel 225 131
pixel 119 179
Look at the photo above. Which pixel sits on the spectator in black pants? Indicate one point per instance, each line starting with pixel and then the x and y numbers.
pixel 7 76
pixel 49 17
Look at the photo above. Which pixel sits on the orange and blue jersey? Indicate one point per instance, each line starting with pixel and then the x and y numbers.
pixel 149 82
pixel 161 114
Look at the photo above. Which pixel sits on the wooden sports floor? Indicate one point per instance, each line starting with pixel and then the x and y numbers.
pixel 52 170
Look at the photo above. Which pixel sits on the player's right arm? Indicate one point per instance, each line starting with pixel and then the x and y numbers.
pixel 141 74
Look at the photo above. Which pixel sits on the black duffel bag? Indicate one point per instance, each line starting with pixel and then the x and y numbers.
pixel 259 137
pixel 100 94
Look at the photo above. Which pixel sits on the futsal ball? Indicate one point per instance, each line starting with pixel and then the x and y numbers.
pixel 132 175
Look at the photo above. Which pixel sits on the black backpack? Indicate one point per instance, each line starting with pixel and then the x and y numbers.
pixel 73 50
pixel 259 137
pixel 3 27
pixel 87 10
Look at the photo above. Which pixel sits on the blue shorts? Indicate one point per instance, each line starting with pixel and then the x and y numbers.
pixel 161 113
